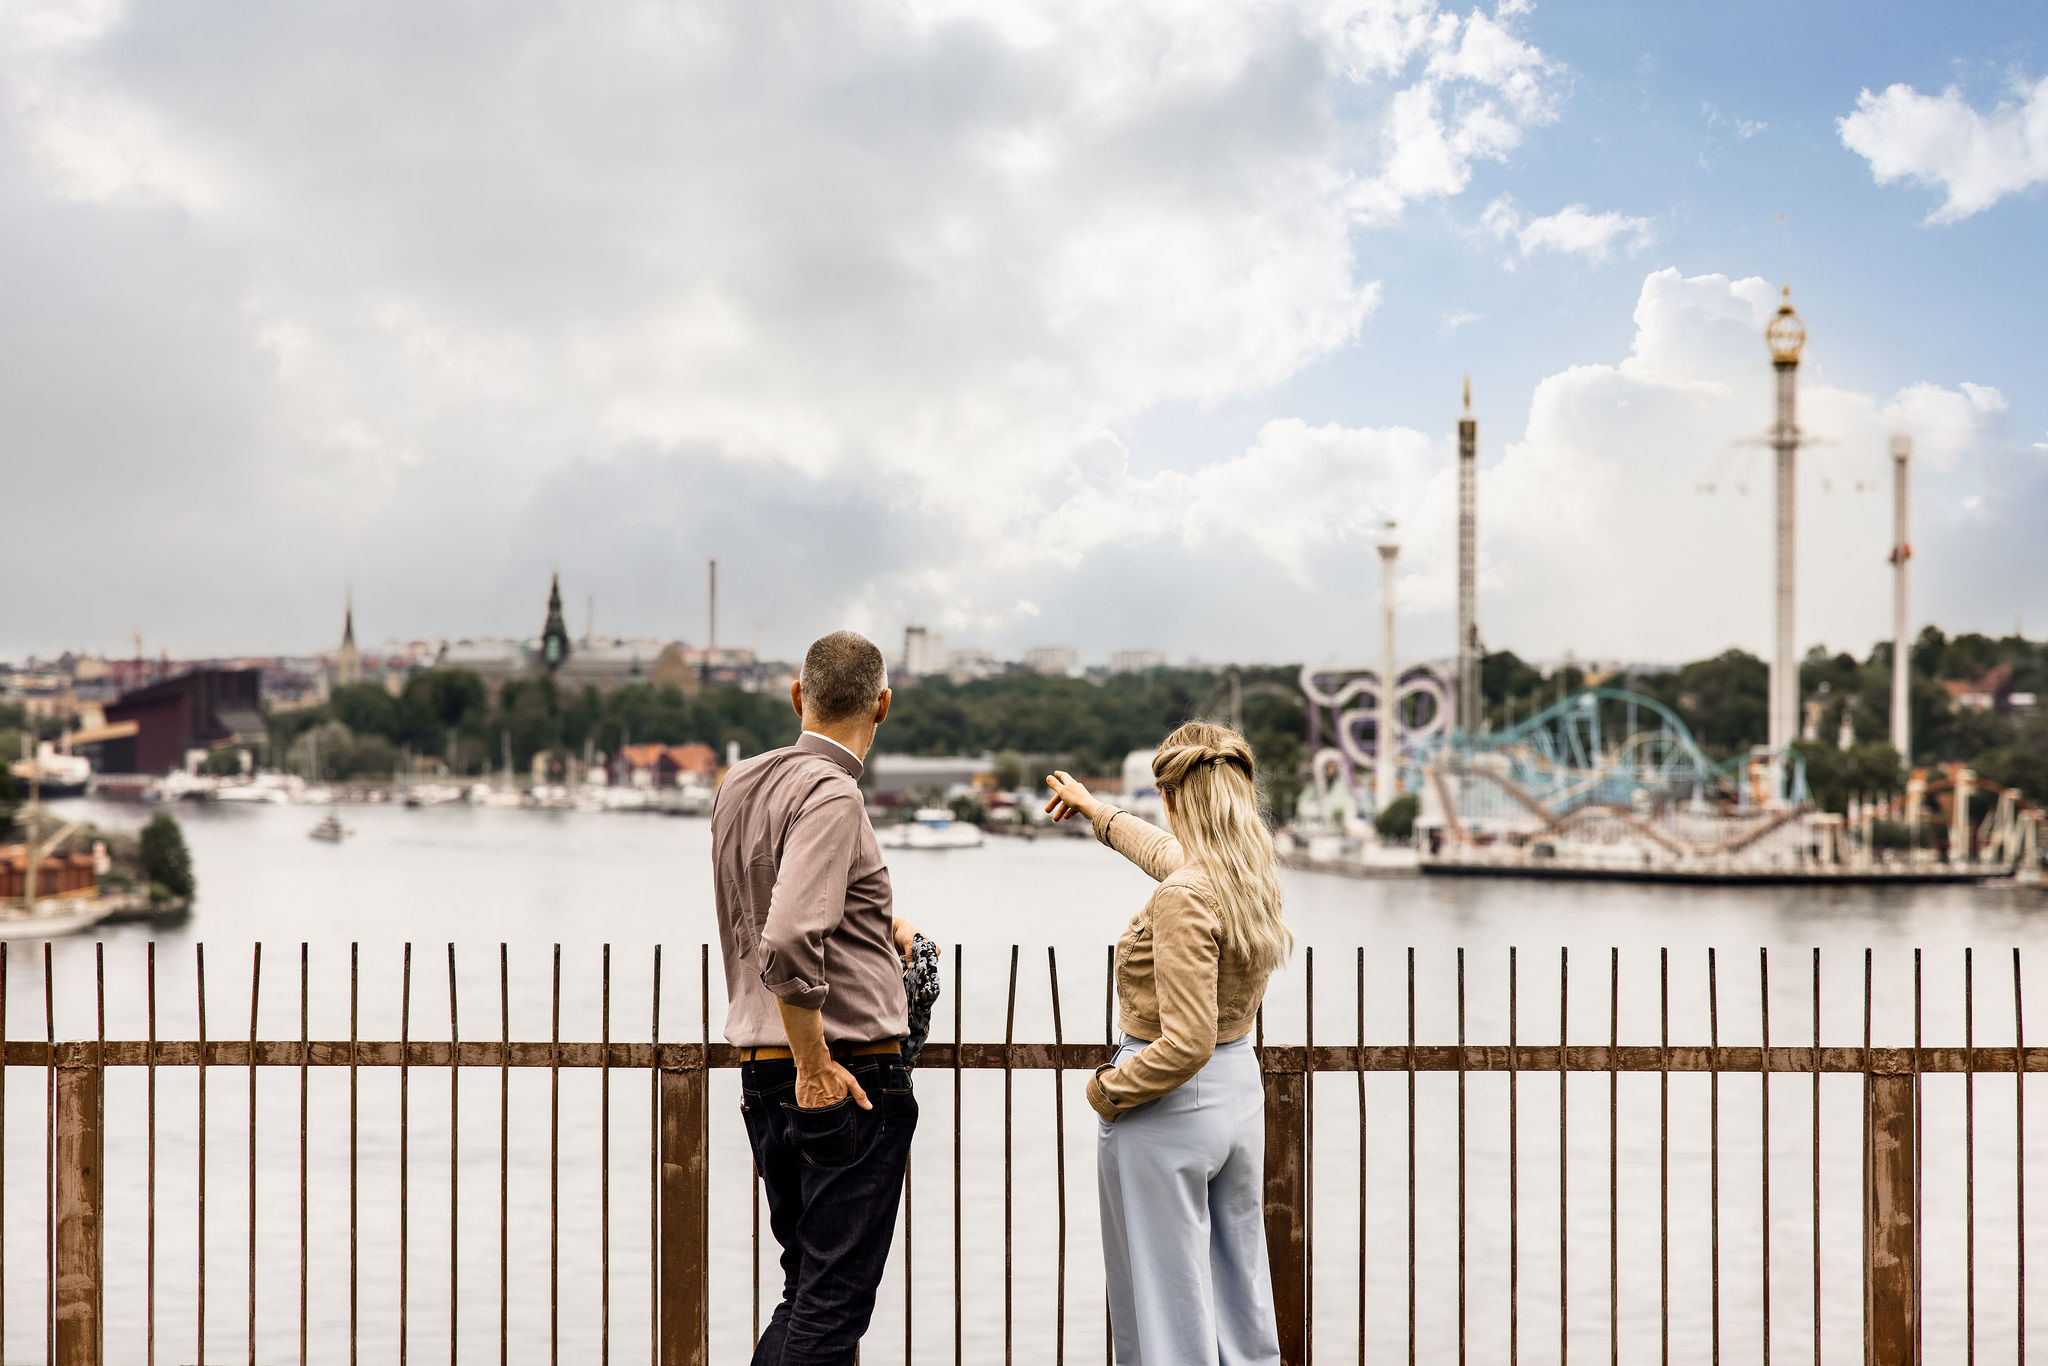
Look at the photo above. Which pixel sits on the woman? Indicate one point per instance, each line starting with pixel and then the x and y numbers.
pixel 1182 1142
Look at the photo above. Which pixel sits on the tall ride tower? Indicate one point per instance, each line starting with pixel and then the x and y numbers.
pixel 1469 718
pixel 1902 551
pixel 1787 338
pixel 1386 768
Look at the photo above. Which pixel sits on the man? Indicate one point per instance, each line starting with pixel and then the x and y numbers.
pixel 817 1010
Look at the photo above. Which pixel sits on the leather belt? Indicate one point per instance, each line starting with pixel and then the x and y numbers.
pixel 778 1053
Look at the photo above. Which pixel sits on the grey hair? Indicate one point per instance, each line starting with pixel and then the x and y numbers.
pixel 843 676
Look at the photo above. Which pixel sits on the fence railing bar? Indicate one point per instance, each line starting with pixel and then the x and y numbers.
pixel 654 1185
pixel 305 1126
pixel 1044 1056
pixel 1461 1158
pixel 404 1154
pixel 3 1143
pixel 354 1079
pixel 909 1264
pixel 49 1173
pixel 505 1146
pixel 1969 1165
pixel 2019 1111
pixel 754 1188
pixel 1307 1166
pixel 99 976
pixel 1108 1043
pixel 255 997
pixel 1411 1155
pixel 199 968
pixel 1714 1154
pixel 1358 1000
pixel 701 1187
pixel 555 1160
pixel 1564 1339
pixel 604 1169
pixel 1514 1165
pixel 454 1168
pixel 1009 1202
pixel 1919 1165
pixel 1764 1081
pixel 1815 1175
pixel 1613 1159
pixel 149 1161
pixel 1664 1157
pixel 959 1286
pixel 1869 1154
pixel 1059 1157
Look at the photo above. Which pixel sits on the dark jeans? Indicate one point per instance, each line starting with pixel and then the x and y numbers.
pixel 834 1177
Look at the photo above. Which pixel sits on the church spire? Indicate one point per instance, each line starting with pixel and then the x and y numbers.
pixel 348 662
pixel 554 636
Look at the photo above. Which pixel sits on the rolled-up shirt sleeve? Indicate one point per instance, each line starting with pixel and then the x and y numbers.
pixel 809 899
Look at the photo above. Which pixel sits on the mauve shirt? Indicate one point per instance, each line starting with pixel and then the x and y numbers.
pixel 804 910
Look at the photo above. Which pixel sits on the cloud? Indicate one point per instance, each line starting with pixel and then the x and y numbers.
pixel 400 267
pixel 1745 129
pixel 1457 319
pixel 1574 230
pixel 1941 142
pixel 1595 534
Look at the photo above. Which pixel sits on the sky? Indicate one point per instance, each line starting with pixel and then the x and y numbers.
pixel 1042 322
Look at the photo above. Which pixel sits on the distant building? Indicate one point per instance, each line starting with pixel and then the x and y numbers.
pixel 1988 691
pixel 964 666
pixel 922 652
pixel 1136 661
pixel 348 662
pixel 200 710
pixel 598 663
pixel 664 765
pixel 891 777
pixel 1054 661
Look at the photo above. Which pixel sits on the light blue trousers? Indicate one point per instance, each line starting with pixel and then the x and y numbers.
pixel 1183 1227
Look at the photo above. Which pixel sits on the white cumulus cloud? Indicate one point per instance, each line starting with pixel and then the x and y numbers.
pixel 1574 230
pixel 1943 142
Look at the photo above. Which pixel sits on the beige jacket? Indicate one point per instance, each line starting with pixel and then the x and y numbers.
pixel 1177 988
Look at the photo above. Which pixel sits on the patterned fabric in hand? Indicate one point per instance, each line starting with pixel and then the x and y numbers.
pixel 921 987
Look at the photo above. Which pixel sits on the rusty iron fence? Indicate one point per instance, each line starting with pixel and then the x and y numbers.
pixel 675 1277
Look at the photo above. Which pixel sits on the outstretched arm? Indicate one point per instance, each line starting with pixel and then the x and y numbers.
pixel 1143 843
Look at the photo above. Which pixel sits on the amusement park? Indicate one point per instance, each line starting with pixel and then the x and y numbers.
pixel 1606 782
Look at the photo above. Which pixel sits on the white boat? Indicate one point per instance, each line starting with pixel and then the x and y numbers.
pixel 53 917
pixel 55 774
pixel 686 799
pixel 263 789
pixel 932 828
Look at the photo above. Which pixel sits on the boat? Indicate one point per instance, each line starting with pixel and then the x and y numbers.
pixel 933 827
pixel 54 774
pixel 330 829
pixel 686 799
pixel 265 789
pixel 53 917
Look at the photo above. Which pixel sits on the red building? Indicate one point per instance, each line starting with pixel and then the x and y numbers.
pixel 198 710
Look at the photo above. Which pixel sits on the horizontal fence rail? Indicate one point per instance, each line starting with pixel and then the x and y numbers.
pixel 1483 1134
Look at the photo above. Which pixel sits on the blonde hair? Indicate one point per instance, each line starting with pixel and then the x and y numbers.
pixel 1206 772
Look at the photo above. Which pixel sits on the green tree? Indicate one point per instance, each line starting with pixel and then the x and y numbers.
pixel 166 862
pixel 1009 770
pixel 1397 822
pixel 224 761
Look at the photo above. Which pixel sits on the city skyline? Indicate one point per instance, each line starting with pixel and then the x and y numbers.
pixel 1039 382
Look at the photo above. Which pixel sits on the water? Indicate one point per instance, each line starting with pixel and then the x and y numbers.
pixel 532 880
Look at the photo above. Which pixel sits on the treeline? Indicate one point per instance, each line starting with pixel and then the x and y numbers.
pixel 1724 701
pixel 1088 727
pixel 448 714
